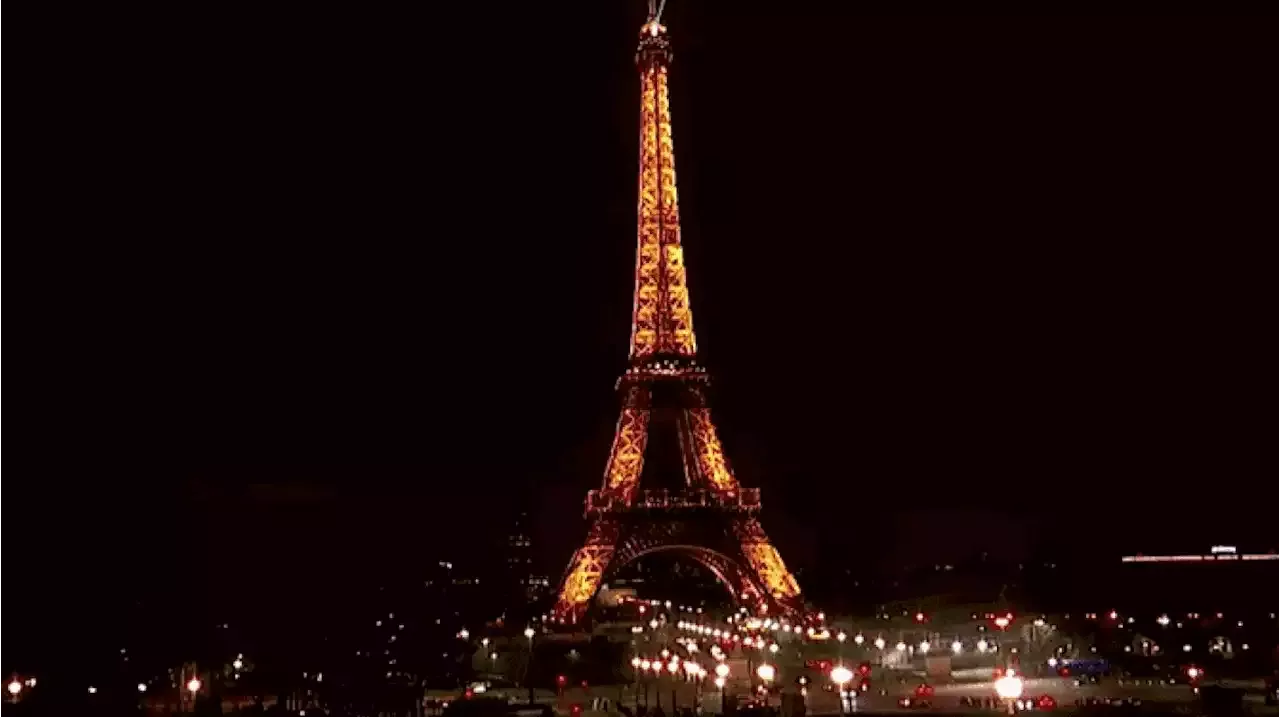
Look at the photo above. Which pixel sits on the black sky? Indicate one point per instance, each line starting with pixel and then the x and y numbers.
pixel 382 261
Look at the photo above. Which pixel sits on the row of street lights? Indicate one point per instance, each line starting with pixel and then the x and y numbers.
pixel 15 687
pixel 956 646
pixel 693 671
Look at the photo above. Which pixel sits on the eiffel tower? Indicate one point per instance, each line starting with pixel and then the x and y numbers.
pixel 706 516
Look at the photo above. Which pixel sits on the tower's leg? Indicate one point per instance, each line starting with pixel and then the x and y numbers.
pixel 712 464
pixel 586 569
pixel 763 560
pixel 626 457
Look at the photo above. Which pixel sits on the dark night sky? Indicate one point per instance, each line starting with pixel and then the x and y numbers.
pixel 941 266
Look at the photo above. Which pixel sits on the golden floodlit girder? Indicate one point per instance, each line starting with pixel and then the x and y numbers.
pixel 626 458
pixel 645 319
pixel 677 335
pixel 586 570
pixel 669 203
pixel 662 321
pixel 713 468
pixel 766 562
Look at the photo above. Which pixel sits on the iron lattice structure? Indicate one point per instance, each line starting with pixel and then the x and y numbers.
pixel 713 520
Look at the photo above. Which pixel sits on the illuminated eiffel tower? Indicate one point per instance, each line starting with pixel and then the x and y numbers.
pixel 709 518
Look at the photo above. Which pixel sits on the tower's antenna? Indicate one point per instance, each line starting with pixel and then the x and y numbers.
pixel 655 9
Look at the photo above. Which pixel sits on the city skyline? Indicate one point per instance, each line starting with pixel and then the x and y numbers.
pixel 348 322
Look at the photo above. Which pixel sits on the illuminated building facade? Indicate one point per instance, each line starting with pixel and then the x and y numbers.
pixel 1217 555
pixel 1212 579
pixel 709 517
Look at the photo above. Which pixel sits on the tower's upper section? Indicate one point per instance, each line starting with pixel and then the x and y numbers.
pixel 661 322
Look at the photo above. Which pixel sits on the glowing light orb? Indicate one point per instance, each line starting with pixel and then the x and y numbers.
pixel 1009 687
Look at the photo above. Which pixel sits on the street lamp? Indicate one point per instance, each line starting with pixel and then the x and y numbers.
pixel 193 685
pixel 528 668
pixel 722 678
pixel 237 663
pixel 841 676
pixel 766 672
pixel 1009 688
pixel 142 687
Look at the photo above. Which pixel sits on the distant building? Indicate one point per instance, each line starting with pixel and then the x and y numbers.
pixel 528 582
pixel 456 593
pixel 1221 578
pixel 1218 554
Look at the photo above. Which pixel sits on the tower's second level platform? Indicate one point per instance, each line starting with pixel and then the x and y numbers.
pixel 743 500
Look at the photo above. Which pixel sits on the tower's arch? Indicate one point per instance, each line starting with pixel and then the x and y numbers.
pixel 736 580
